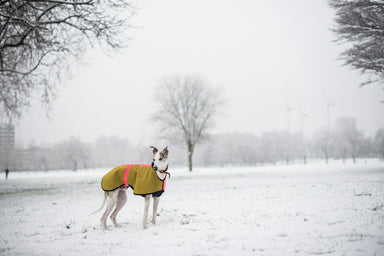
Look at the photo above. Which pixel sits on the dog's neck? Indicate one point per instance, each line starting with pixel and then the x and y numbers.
pixel 161 175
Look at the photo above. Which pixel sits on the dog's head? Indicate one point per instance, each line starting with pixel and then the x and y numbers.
pixel 160 159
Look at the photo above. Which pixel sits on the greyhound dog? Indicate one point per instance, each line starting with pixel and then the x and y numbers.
pixel 145 180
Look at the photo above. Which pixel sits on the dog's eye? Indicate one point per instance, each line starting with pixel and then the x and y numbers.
pixel 153 159
pixel 160 159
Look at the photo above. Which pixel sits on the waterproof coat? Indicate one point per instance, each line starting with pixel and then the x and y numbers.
pixel 141 178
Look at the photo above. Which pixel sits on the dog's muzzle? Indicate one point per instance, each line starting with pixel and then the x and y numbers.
pixel 154 167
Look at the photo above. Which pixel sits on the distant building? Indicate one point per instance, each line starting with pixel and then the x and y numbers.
pixel 344 124
pixel 7 147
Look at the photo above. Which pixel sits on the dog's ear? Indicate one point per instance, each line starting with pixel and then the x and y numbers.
pixel 165 150
pixel 154 149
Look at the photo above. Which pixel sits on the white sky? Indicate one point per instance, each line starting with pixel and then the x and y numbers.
pixel 263 54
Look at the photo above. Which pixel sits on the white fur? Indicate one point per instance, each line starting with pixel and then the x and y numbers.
pixel 161 175
pixel 116 199
pixel 160 164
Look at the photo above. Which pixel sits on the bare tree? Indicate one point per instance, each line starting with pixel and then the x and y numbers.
pixel 324 140
pixel 75 152
pixel 39 39
pixel 350 142
pixel 188 108
pixel 107 151
pixel 354 139
pixel 361 22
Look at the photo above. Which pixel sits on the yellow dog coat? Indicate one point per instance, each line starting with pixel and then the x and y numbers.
pixel 141 178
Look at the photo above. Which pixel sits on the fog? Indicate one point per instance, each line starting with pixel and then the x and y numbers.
pixel 265 56
pixel 293 164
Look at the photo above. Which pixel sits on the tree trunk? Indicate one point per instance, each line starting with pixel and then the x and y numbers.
pixel 190 161
pixel 190 153
pixel 287 160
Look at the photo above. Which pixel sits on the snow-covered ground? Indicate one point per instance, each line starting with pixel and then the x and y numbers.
pixel 335 209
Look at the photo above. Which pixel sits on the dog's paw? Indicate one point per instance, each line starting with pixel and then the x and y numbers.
pixel 104 227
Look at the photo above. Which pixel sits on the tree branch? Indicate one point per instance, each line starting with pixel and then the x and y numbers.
pixel 89 2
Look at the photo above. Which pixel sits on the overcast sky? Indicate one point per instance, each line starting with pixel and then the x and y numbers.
pixel 264 55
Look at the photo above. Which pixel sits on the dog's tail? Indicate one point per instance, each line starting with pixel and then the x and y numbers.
pixel 102 206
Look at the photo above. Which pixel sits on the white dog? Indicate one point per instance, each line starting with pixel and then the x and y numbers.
pixel 145 180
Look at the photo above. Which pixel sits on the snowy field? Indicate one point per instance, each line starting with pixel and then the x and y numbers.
pixel 273 210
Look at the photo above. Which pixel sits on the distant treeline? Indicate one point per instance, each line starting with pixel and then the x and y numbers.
pixel 75 154
pixel 247 149
pixel 242 149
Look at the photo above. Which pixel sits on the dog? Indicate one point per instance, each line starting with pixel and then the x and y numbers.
pixel 145 180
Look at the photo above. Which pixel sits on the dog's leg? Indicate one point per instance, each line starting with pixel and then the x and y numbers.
pixel 111 202
pixel 121 200
pixel 156 201
pixel 146 206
